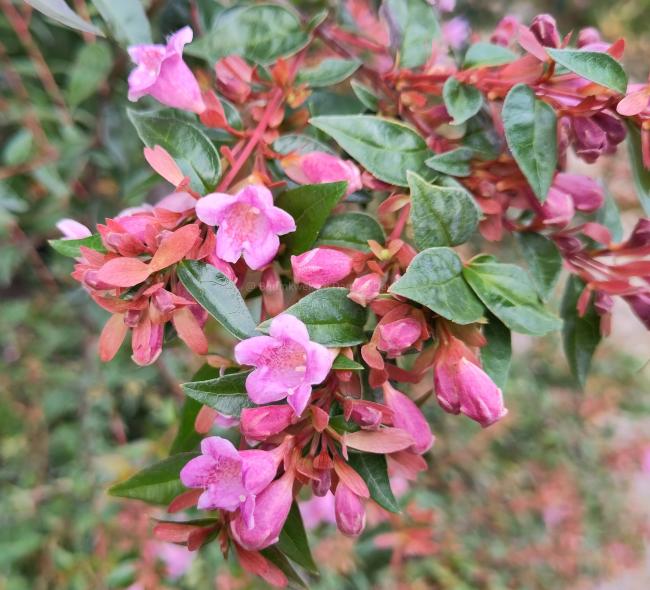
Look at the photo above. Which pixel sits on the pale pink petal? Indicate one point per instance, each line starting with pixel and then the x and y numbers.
pixel 123 272
pixel 257 195
pixel 260 252
pixel 216 447
pixel 262 390
pixel 299 399
pixel 319 363
pixel 258 468
pixel 112 337
pixel 289 327
pixel 211 208
pixel 281 222
pixel 72 230
pixel 197 471
pixel 162 162
pixel 249 351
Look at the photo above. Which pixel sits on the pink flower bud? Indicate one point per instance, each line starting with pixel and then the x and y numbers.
pixel 319 167
pixel 397 336
pixel 596 135
pixel 272 294
pixel 163 74
pixel 408 417
pixel 234 77
pixel 558 208
pixel 264 421
pixel 545 30
pixel 146 341
pixel 321 267
pixel 365 288
pixel 589 36
pixel 505 31
pixel 350 511
pixel 586 194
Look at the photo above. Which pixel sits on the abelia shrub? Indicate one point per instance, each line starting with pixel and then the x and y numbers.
pixel 332 182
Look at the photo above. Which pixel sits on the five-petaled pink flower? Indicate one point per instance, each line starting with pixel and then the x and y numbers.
pixel 163 74
pixel 248 223
pixel 287 363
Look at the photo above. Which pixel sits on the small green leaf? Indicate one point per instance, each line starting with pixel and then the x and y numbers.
pixel 225 394
pixel 300 144
pixel 156 484
pixel 343 363
pixel 454 163
pixel 126 20
pixel 434 279
pixel 369 99
pixel 61 13
pixel 640 173
pixel 482 138
pixel 70 248
pixel 386 148
pixel 581 335
pixel 497 353
pixel 91 67
pixel 484 54
pixel 374 471
pixel 293 541
pixel 328 72
pixel 351 230
pixel 531 133
pixel 441 216
pixel 218 295
pixel 507 291
pixel 462 101
pixel 596 66
pixel 309 205
pixel 331 318
pixel 186 143
pixel 544 261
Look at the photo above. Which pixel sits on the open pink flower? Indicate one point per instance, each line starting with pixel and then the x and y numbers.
pixel 248 224
pixel 320 267
pixel 287 363
pixel 319 167
pixel 163 74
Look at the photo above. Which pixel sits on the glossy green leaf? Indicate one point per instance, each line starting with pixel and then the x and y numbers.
pixel 367 96
pixel 309 205
pixel 454 163
pixel 218 295
pixel 225 394
pixel 544 261
pixel 126 20
pixel 343 363
pixel 351 230
pixel 70 248
pixel 259 32
pixel 329 72
pixel 484 54
pixel 530 125
pixel 156 484
pixel 187 144
pixel 293 541
pixel 90 69
pixel 596 66
pixel 441 216
pixel 373 469
pixel 386 148
pixel 414 27
pixel 300 144
pixel 277 558
pixel 507 291
pixel 331 318
pixel 580 335
pixel 640 173
pixel 462 101
pixel 434 279
pixel 61 13
pixel 497 353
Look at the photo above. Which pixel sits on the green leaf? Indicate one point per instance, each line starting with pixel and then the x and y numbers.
pixel 89 70
pixel 544 261
pixel 596 66
pixel 414 25
pixel 454 162
pixel 640 173
pixel 157 484
pixel 331 318
pixel 343 363
pixel 482 138
pixel 61 13
pixel 225 394
pixel 374 471
pixel 441 216
pixel 277 558
pixel 293 541
pixel 309 205
pixel 299 143
pixel 497 353
pixel 434 279
pixel 386 148
pixel 484 54
pixel 70 248
pixel 530 125
pixel 580 335
pixel 462 101
pixel 218 295
pixel 326 102
pixel 328 72
pixel 259 32
pixel 610 216
pixel 351 230
pixel 126 20
pixel 367 96
pixel 507 291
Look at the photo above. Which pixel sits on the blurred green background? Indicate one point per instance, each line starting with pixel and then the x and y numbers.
pixel 553 497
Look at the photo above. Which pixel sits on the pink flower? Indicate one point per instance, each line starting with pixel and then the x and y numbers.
pixel 463 387
pixel 319 167
pixel 349 510
pixel 318 509
pixel 163 74
pixel 456 32
pixel 268 517
pixel 320 267
pixel 231 479
pixel 262 422
pixel 286 363
pixel 397 336
pixel 596 135
pixel 234 78
pixel 249 224
pixel 586 194
pixel 558 208
pixel 545 30
pixel 72 230
pixel 408 417
pixel 365 288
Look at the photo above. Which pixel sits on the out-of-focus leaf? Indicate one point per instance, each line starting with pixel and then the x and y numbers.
pixel 454 163
pixel 60 12
pixel 70 248
pixel 639 171
pixel 328 72
pixel 90 69
pixel 277 558
pixel 484 54
pixel 610 216
pixel 369 99
pixel 126 20
pixel 300 144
